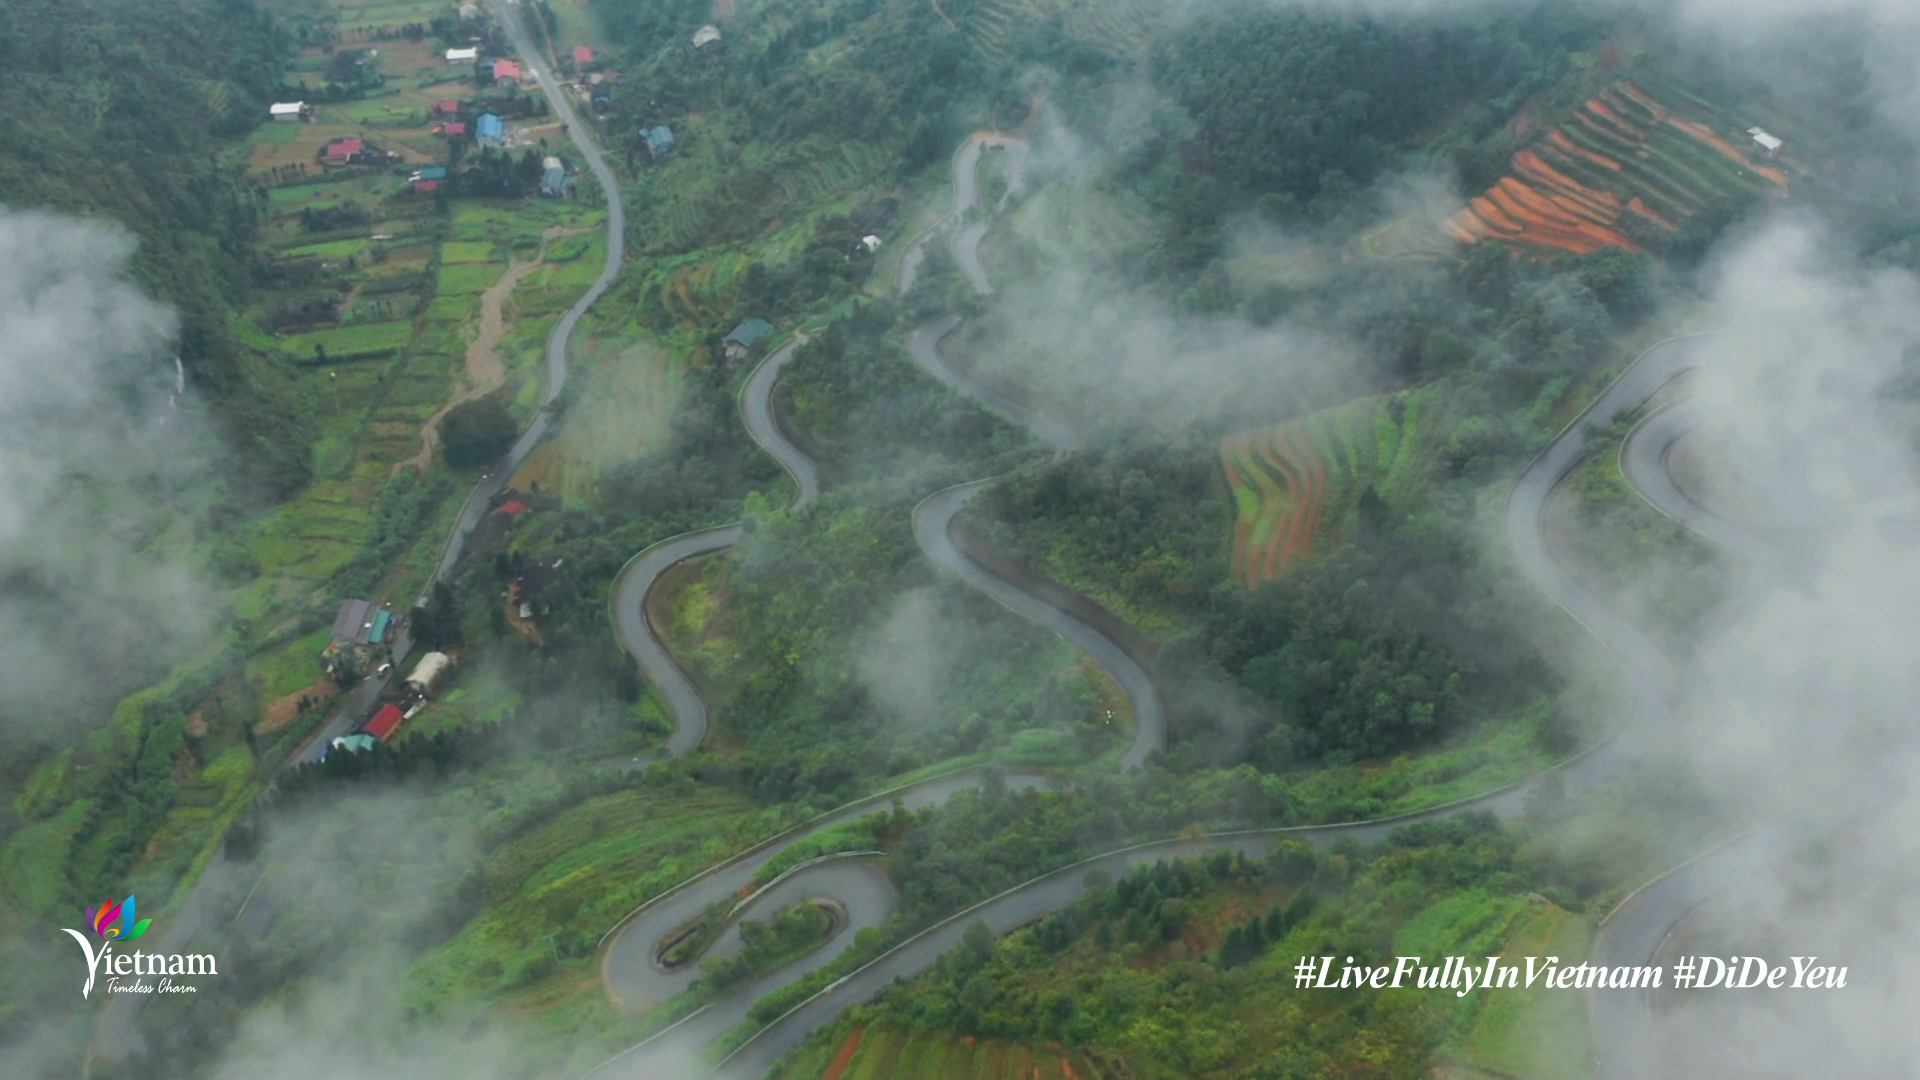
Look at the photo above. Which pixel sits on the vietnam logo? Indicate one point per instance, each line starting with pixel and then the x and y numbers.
pixel 115 922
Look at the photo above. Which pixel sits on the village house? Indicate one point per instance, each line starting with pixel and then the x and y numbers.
pixel 705 36
pixel 737 345
pixel 289 112
pixel 490 130
pixel 457 57
pixel 443 109
pixel 659 140
pixel 351 152
pixel 554 181
pixel 582 56
pixel 506 74
pixel 1767 142
pixel 455 130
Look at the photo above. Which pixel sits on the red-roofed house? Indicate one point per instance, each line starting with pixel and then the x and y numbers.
pixel 342 149
pixel 506 73
pixel 456 130
pixel 582 56
pixel 384 722
pixel 514 508
pixel 446 108
pixel 426 187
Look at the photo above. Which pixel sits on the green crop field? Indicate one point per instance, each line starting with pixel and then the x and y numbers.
pixel 469 278
pixel 351 339
pixel 333 251
pixel 466 251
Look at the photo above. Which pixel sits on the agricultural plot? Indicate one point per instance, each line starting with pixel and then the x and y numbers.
pixel 471 278
pixel 1629 166
pixel 466 251
pixel 351 341
pixel 1285 478
pixel 1082 218
pixel 1125 28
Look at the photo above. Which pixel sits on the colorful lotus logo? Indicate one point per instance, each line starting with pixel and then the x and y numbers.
pixel 115 922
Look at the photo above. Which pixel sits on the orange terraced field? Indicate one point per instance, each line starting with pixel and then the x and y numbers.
pixel 1625 166
pixel 1280 469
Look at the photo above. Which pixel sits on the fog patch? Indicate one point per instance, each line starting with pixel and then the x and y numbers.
pixel 103 468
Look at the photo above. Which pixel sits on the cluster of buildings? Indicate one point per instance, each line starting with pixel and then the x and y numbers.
pixel 362 638
pixel 432 669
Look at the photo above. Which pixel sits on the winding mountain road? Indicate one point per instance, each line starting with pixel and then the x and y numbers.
pixel 559 341
pixel 632 968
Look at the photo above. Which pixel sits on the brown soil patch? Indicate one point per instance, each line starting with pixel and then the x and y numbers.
pixel 485 371
pixel 282 712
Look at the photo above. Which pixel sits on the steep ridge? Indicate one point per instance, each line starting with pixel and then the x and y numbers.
pixel 1632 934
pixel 1651 675
pixel 633 968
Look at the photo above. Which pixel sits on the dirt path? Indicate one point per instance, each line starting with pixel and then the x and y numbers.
pixel 485 371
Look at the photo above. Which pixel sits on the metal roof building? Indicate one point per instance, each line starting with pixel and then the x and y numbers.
pixel 384 722
pixel 352 619
pixel 490 127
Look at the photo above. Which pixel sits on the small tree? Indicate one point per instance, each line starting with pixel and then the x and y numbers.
pixel 477 432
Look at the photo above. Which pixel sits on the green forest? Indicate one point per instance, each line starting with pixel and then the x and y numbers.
pixel 1307 564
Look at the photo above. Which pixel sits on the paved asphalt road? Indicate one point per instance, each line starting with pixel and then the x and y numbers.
pixel 1643 458
pixel 630 963
pixel 931 521
pixel 117 1034
pixel 1633 934
pixel 562 335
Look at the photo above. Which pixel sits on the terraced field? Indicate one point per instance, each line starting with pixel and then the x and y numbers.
pixel 1080 217
pixel 1631 165
pixel 1292 481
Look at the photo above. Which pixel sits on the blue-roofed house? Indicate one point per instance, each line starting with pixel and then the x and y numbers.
pixel 740 342
pixel 377 633
pixel 490 130
pixel 428 172
pixel 555 182
pixel 659 140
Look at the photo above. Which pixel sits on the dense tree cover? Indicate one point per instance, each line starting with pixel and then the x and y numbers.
pixel 1398 635
pixel 477 432
pixel 1149 513
pixel 1121 971
pixel 870 411
pixel 764 946
pixel 893 70
pixel 117 108
pixel 1383 645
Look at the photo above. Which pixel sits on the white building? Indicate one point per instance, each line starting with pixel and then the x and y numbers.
pixel 1767 142
pixel 463 56
pixel 552 163
pixel 288 112
pixel 872 242
pixel 431 667
pixel 706 35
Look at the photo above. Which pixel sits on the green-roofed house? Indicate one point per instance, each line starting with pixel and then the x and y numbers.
pixel 740 342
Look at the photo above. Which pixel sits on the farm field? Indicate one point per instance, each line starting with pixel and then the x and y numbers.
pixel 1293 482
pixel 1630 167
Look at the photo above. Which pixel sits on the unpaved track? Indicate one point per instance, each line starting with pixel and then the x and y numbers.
pixel 485 372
